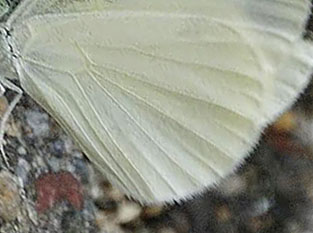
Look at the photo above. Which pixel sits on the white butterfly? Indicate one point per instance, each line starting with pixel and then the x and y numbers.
pixel 165 97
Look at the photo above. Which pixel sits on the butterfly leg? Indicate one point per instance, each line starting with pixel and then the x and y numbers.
pixel 4 83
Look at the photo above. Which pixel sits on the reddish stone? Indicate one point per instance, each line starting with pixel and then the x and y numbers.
pixel 55 187
pixel 283 141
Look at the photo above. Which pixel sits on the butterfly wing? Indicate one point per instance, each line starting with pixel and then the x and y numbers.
pixel 164 97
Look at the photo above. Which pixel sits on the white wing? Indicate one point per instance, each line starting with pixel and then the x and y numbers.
pixel 165 97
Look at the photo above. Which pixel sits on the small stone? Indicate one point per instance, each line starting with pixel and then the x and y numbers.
pixel 128 211
pixel 54 187
pixel 13 129
pixel 21 150
pixel 223 213
pixel 233 185
pixel 70 147
pixel 286 122
pixel 81 168
pixel 152 211
pixel 260 223
pixel 261 206
pixel 3 105
pixel 9 196
pixel 107 224
pixel 57 148
pixel 114 193
pixel 39 123
pixel 22 170
pixel 54 163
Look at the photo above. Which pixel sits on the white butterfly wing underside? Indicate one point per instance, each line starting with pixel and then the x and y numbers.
pixel 165 97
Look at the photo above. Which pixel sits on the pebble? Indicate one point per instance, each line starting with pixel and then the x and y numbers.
pixel 152 211
pixel 3 105
pixel 22 170
pixel 261 206
pixel 9 196
pixel 39 123
pixel 128 211
pixel 233 185
pixel 223 214
pixel 107 223
pixel 21 150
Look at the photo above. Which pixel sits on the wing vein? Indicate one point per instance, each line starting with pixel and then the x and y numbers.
pixel 200 65
pixel 112 138
pixel 164 114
